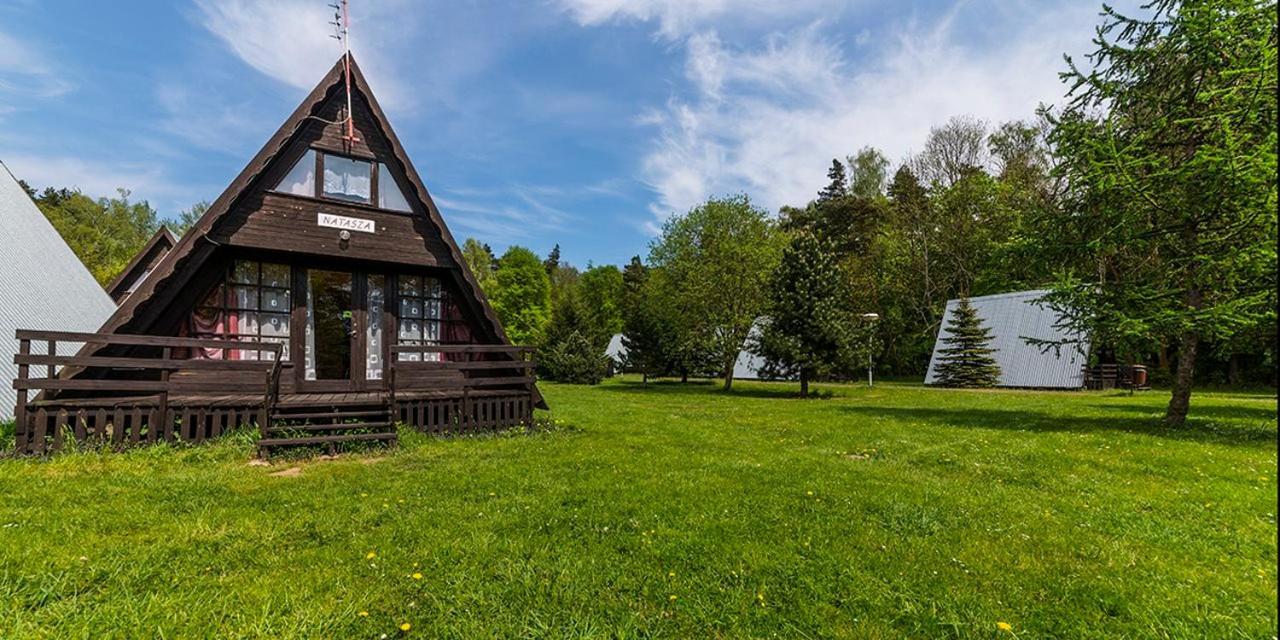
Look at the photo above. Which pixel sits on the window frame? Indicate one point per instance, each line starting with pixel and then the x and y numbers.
pixel 227 305
pixel 376 178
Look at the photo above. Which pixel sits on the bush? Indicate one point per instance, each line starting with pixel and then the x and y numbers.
pixel 573 359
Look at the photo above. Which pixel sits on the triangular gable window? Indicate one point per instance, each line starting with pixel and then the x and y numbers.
pixel 301 179
pixel 389 194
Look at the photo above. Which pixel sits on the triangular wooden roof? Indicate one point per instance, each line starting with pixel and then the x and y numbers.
pixel 196 247
pixel 161 240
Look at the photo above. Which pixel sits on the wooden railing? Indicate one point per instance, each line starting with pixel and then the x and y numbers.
pixel 150 368
pixel 479 372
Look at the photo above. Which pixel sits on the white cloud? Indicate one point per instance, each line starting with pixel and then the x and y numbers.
pixel 26 72
pixel 102 178
pixel 291 40
pixel 767 119
pixel 676 18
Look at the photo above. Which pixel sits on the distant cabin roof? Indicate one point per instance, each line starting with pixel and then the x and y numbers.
pixel 43 284
pixel 1013 317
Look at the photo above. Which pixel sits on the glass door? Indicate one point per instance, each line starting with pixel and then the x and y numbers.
pixel 331 328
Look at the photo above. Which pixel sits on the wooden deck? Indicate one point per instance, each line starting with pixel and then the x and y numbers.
pixel 476 388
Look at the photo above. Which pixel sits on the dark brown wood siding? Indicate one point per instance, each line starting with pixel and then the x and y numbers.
pixel 282 222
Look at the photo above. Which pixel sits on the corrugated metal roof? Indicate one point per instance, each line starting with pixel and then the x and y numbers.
pixel 43 285
pixel 1012 317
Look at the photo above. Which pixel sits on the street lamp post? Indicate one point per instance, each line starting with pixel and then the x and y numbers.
pixel 871 318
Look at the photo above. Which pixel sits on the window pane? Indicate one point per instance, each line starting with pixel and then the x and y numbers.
pixel 245 272
pixel 275 275
pixel 431 332
pixel 410 308
pixel 410 286
pixel 275 325
pixel 410 331
pixel 301 179
pixel 244 297
pixel 275 300
pixel 373 332
pixel 346 179
pixel 389 194
pixel 432 308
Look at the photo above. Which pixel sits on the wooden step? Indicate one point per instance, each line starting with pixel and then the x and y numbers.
pixel 333 426
pixel 347 437
pixel 330 415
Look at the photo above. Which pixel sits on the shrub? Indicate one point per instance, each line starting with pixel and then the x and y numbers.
pixel 573 359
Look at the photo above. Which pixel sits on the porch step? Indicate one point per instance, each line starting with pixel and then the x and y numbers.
pixel 345 437
pixel 327 424
pixel 329 415
pixel 336 426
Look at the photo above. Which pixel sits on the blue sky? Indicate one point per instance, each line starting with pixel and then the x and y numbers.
pixel 579 122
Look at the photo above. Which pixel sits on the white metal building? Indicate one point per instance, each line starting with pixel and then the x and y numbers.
pixel 43 285
pixel 1013 317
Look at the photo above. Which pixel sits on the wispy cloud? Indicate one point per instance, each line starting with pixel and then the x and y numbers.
pixel 291 40
pixel 766 117
pixel 27 72
pixel 102 178
pixel 677 18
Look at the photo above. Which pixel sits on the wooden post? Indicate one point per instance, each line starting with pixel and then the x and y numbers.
pixel 166 424
pixel 20 410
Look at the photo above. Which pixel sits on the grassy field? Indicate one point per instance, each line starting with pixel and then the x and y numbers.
pixel 678 511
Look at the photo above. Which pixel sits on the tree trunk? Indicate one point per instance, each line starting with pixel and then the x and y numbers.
pixel 728 379
pixel 684 375
pixel 644 377
pixel 1180 402
pixel 804 382
pixel 1233 370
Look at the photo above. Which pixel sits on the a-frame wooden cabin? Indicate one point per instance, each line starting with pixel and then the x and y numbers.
pixel 320 297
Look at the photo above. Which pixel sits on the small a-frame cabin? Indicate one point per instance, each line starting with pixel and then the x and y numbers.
pixel 142 264
pixel 320 298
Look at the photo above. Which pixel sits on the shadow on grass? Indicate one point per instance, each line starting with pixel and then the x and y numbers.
pixel 1262 414
pixel 703 387
pixel 1197 429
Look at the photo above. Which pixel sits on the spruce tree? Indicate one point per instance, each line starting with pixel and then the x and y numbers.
pixel 839 186
pixel 966 360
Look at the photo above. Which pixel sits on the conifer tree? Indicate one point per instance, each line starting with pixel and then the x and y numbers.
pixel 839 186
pixel 966 360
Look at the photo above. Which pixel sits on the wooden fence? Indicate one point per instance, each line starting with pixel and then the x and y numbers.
pixel 468 388
pixel 126 383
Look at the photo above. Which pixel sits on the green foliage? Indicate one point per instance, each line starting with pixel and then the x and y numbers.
pixel 188 218
pixel 715 263
pixel 600 293
pixel 870 173
pixel 480 260
pixel 810 329
pixel 521 295
pixel 1169 148
pixel 966 359
pixel 105 233
pixel 574 359
pixel 757 513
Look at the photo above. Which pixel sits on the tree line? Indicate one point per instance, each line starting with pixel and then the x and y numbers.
pixel 1146 206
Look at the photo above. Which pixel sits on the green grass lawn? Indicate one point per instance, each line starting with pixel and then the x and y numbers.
pixel 678 511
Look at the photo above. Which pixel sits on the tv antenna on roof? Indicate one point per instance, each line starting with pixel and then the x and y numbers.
pixel 341 32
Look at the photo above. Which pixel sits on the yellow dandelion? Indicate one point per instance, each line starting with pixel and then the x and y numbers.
pixel 671 574
pixel 1004 626
pixel 417 576
pixel 405 626
pixel 363 614
pixel 369 556
pixel 809 493
pixel 672 597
